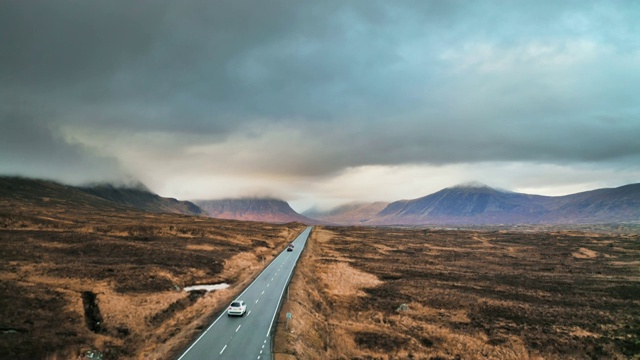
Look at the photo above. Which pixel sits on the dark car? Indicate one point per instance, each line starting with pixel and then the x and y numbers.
pixel 290 247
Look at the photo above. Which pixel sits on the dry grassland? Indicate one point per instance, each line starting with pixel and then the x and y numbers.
pixel 369 293
pixel 77 278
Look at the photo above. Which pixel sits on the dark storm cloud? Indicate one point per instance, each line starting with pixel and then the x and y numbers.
pixel 366 82
pixel 29 147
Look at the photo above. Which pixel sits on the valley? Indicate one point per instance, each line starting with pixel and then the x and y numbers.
pixel 82 273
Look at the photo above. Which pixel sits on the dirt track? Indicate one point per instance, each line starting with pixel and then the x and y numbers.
pixel 367 293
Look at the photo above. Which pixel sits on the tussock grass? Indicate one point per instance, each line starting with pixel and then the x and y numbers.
pixel 367 293
pixel 135 263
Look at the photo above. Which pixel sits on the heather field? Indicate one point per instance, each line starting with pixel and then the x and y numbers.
pixel 383 293
pixel 76 277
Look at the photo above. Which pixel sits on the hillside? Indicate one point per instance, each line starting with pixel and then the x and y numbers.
pixel 142 198
pixel 25 191
pixel 621 204
pixel 24 195
pixel 253 209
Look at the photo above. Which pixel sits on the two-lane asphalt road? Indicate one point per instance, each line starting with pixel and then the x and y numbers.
pixel 248 337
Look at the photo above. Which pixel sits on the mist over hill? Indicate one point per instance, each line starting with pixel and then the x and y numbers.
pixel 253 209
pixel 139 196
pixel 350 213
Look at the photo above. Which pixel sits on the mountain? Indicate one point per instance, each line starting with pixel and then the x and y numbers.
pixel 479 204
pixel 465 204
pixel 22 194
pixel 141 198
pixel 25 192
pixel 348 214
pixel 621 204
pixel 253 209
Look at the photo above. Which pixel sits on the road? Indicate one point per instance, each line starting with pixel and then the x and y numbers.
pixel 249 337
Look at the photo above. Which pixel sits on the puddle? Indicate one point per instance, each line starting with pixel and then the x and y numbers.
pixel 207 287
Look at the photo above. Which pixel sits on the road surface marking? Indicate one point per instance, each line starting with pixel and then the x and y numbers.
pixel 257 301
pixel 262 292
pixel 249 313
pixel 272 265
pixel 223 349
pixel 238 328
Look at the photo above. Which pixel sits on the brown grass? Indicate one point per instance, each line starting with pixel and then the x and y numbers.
pixel 367 293
pixel 135 263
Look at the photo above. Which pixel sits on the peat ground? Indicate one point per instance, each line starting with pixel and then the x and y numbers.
pixel 384 293
pixel 80 274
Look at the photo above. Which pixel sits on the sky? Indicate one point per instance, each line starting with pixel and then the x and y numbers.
pixel 321 103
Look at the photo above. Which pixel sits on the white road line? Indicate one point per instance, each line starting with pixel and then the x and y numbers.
pixel 268 285
pixel 223 349
pixel 238 328
pixel 282 293
pixel 272 263
pixel 249 313
pixel 262 292
pixel 257 301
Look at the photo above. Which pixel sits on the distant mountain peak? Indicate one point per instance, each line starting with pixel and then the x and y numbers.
pixel 472 185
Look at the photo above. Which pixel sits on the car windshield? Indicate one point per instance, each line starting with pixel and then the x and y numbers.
pixel 236 304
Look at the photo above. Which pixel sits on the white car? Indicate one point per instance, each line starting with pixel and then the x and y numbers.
pixel 238 308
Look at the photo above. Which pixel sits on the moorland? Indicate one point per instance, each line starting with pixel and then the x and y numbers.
pixel 81 273
pixel 401 293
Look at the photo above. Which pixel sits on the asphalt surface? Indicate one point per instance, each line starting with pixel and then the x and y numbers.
pixel 249 337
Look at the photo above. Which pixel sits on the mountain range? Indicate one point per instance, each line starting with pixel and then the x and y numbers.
pixel 469 204
pixel 479 204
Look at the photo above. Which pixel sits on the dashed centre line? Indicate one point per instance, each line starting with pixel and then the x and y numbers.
pixel 221 351
pixel 238 328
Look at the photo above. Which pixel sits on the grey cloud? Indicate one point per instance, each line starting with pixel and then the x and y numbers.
pixel 369 82
pixel 30 147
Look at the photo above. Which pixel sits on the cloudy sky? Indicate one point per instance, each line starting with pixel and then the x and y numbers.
pixel 322 102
